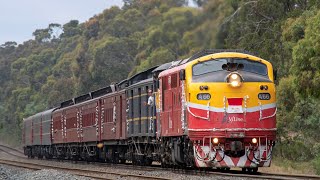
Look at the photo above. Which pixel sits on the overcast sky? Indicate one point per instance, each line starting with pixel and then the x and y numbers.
pixel 20 18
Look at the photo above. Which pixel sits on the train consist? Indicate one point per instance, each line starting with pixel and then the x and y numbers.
pixel 214 109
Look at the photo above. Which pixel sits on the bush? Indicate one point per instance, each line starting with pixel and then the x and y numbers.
pixel 294 150
pixel 316 164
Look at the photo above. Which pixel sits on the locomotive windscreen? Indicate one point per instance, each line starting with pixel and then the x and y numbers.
pixel 216 70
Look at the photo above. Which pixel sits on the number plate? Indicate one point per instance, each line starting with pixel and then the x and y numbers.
pixel 264 96
pixel 203 96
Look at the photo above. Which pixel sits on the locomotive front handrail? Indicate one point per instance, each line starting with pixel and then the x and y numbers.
pixel 215 157
pixel 198 156
pixel 207 157
pixel 268 156
pixel 251 160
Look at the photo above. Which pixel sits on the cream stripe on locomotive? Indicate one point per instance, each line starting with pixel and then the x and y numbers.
pixel 216 109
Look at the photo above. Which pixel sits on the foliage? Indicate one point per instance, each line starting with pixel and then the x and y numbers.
pixel 316 164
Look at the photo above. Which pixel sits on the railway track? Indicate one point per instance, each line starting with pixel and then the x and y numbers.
pixel 81 172
pixel 101 174
pixel 11 151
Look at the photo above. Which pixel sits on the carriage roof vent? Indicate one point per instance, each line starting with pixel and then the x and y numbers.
pixel 101 92
pixel 67 103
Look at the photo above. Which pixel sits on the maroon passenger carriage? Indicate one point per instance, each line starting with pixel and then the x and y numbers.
pixel 91 126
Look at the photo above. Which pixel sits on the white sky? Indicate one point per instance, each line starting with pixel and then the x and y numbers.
pixel 20 18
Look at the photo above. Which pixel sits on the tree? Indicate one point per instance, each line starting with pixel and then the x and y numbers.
pixel 9 45
pixel 41 35
pixel 71 29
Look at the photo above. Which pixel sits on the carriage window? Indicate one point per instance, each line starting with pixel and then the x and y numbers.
pixel 164 82
pixel 163 93
pixel 174 81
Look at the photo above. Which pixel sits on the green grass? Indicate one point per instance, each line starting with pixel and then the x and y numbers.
pixel 280 165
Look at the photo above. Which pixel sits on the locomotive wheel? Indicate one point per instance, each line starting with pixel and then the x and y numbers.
pixel 115 159
pixel 134 160
pixel 149 162
pixel 254 170
pixel 224 168
pixel 250 170
pixel 122 161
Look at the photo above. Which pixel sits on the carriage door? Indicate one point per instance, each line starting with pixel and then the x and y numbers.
pixel 176 105
pixel 171 102
pixel 63 126
pixel 118 116
pixel 98 119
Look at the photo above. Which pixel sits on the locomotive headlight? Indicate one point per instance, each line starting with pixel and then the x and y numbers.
pixel 234 76
pixel 234 79
pixel 254 140
pixel 215 140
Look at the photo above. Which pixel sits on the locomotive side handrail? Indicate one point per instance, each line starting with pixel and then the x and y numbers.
pixel 266 117
pixel 205 118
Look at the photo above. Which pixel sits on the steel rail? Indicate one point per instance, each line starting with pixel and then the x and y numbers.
pixel 13 149
pixel 81 172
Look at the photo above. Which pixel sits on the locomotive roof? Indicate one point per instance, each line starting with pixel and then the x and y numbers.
pixel 177 65
pixel 141 76
pixel 214 51
pixel 163 67
pixel 122 84
pixel 141 82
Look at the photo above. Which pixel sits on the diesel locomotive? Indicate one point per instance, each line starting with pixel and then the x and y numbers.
pixel 216 109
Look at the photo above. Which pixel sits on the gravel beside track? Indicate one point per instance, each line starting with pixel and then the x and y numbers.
pixel 13 173
pixel 110 174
